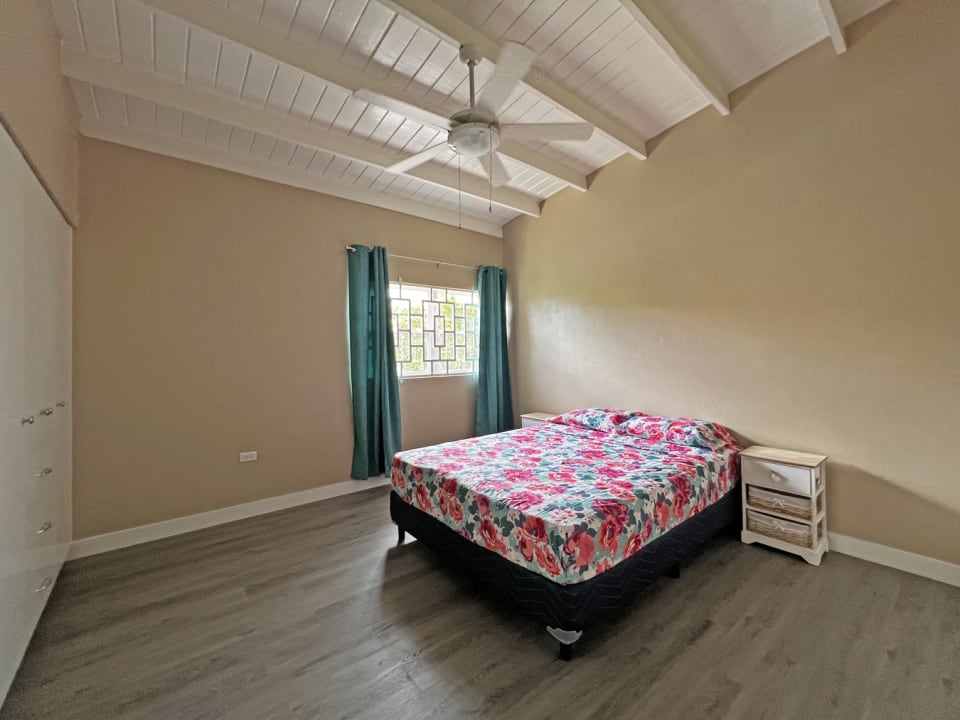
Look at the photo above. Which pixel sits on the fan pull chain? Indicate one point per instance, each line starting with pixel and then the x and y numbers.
pixel 490 169
pixel 459 196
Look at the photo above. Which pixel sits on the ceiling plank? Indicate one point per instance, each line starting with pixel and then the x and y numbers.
pixel 834 26
pixel 665 35
pixel 206 155
pixel 129 81
pixel 237 27
pixel 457 31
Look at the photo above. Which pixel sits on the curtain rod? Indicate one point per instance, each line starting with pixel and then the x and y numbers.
pixel 351 248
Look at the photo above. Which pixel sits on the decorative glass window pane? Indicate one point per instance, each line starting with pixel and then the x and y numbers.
pixel 435 330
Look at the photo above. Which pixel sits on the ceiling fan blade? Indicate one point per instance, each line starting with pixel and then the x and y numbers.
pixel 500 174
pixel 491 163
pixel 400 107
pixel 512 65
pixel 546 132
pixel 417 159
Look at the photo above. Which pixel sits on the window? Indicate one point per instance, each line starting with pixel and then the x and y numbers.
pixel 436 330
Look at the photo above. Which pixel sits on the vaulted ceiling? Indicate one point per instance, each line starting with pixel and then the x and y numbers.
pixel 266 87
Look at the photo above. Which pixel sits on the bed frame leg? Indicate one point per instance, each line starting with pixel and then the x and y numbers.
pixel 401 535
pixel 566 638
pixel 674 571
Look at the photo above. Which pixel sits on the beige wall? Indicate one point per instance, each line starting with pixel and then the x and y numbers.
pixel 209 318
pixel 36 103
pixel 791 271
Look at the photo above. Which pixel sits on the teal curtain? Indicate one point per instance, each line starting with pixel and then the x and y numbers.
pixel 373 364
pixel 494 403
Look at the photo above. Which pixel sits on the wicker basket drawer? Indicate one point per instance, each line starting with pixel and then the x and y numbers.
pixel 792 505
pixel 790 532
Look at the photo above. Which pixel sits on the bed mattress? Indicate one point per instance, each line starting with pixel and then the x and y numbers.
pixel 563 501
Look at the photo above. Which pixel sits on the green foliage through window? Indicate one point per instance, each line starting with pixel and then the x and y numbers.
pixel 436 330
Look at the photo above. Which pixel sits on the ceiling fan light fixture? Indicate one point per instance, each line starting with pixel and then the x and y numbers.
pixel 474 139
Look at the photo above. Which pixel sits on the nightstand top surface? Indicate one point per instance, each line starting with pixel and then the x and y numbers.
pixel 539 415
pixel 787 457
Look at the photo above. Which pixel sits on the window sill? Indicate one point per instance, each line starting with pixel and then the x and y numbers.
pixel 436 377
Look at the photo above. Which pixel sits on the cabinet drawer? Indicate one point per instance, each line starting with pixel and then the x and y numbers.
pixel 792 505
pixel 777 476
pixel 790 532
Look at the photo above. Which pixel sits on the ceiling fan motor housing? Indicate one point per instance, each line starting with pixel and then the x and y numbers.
pixel 470 54
pixel 474 139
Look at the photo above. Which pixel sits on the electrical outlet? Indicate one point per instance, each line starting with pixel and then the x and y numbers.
pixel 249 456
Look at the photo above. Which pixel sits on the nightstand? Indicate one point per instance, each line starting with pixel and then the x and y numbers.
pixel 784 501
pixel 531 419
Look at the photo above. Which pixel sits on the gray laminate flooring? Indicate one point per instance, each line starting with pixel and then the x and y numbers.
pixel 313 613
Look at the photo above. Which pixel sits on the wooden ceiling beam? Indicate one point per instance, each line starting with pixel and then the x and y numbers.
pixel 148 86
pixel 833 25
pixel 234 26
pixel 656 24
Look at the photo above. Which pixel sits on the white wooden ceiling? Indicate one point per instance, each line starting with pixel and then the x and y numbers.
pixel 264 87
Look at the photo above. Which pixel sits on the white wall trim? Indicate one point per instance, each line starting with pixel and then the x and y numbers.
pixel 921 565
pixel 899 559
pixel 168 528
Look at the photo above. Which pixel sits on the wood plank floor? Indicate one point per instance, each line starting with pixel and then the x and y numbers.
pixel 312 613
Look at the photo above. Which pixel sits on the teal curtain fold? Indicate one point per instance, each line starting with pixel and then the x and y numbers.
pixel 494 402
pixel 373 363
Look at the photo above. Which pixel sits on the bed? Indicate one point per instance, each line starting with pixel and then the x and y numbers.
pixel 569 519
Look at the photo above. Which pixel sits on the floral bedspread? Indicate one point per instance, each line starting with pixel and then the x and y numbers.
pixel 565 502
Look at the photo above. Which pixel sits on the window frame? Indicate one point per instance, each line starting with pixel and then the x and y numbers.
pixel 396 330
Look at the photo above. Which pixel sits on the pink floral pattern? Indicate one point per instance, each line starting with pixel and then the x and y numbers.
pixel 600 419
pixel 562 500
pixel 679 431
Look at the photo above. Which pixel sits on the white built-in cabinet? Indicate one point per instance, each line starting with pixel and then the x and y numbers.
pixel 35 402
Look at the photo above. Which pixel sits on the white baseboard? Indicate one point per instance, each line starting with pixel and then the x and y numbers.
pixel 146 533
pixel 900 559
pixel 881 554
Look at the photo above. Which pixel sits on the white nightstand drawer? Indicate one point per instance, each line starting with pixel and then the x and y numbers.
pixel 777 476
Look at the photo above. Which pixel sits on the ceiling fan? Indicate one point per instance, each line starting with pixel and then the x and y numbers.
pixel 476 131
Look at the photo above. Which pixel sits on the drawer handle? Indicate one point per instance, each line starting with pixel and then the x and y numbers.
pixel 44 472
pixel 28 420
pixel 47 582
pixel 62 403
pixel 47 412
pixel 777 477
pixel 43 528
